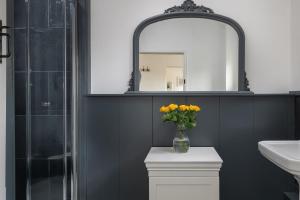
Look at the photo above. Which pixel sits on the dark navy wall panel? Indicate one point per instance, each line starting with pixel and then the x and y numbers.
pixel 103 149
pixel 272 122
pixel 237 147
pixel 207 131
pixel 272 117
pixel 297 119
pixel 135 143
pixel 121 129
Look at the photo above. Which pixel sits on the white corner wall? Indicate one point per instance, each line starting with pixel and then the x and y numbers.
pixel 295 70
pixel 2 111
pixel 266 24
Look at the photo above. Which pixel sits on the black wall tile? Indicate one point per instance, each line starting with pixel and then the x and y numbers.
pixel 20 60
pixel 20 91
pixel 69 178
pixel 20 13
pixel 56 177
pixel 47 179
pixel 47 49
pixel 21 179
pixel 69 49
pixel 47 136
pixel 135 143
pixel 39 93
pixel 56 93
pixel 20 134
pixel 56 13
pixel 103 148
pixel 207 131
pixel 46 44
pixel 163 133
pixel 39 179
pixel 69 133
pixel 38 14
pixel 69 92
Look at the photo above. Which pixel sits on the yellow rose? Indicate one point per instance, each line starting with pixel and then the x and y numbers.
pixel 198 108
pixel 192 108
pixel 164 109
pixel 173 107
pixel 183 107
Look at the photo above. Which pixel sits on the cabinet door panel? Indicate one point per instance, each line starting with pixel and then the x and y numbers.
pixel 178 188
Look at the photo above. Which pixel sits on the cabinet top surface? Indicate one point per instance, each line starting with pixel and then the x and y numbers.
pixel 194 155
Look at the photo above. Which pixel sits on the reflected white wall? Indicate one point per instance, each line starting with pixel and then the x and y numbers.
pixel 232 61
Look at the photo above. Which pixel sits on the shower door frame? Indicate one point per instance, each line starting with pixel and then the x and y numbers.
pixel 78 90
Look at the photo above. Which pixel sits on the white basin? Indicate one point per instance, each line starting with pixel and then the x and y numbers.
pixel 284 154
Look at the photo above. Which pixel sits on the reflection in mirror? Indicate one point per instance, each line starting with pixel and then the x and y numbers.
pixel 162 71
pixel 189 54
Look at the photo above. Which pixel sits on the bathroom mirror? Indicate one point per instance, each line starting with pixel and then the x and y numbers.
pixel 189 48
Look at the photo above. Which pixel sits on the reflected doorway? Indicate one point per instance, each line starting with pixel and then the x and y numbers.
pixel 162 71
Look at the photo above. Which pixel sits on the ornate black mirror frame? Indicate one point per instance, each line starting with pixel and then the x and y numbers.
pixel 188 10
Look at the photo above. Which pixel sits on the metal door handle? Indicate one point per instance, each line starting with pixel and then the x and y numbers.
pixel 8 54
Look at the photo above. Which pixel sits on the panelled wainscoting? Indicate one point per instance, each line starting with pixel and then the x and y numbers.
pixel 120 130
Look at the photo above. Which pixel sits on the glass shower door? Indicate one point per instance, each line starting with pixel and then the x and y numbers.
pixel 49 99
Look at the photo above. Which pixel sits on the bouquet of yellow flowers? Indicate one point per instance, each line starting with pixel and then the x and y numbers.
pixel 184 116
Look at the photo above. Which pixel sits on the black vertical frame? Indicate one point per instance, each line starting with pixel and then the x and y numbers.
pixel 297 113
pixel 83 56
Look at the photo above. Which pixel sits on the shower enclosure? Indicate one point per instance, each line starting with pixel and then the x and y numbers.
pixel 45 104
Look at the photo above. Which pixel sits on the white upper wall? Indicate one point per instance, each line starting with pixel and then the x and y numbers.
pixel 295 70
pixel 266 24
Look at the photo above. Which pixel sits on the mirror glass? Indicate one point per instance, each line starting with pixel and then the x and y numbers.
pixel 188 54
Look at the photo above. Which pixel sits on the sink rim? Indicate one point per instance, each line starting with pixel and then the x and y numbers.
pixel 285 162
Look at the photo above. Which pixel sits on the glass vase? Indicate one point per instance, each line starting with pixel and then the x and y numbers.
pixel 181 142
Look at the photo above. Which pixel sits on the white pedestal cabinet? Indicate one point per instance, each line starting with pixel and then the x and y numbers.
pixel 190 176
